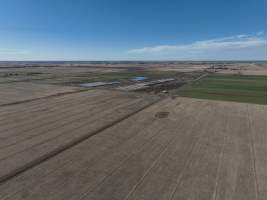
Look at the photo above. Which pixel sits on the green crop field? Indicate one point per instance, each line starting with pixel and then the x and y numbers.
pixel 239 88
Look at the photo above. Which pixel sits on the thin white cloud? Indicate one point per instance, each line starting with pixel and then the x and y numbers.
pixel 6 51
pixel 242 41
pixel 260 33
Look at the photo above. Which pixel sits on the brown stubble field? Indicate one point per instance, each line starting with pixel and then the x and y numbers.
pixel 66 142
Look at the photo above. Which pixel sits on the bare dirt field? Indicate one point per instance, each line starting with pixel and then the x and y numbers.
pixel 60 142
pixel 259 69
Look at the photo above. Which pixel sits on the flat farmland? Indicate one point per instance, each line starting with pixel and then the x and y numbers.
pixel 60 141
pixel 239 88
pixel 71 74
pixel 32 131
pixel 177 148
pixel 11 93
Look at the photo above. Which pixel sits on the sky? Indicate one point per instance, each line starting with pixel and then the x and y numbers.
pixel 133 30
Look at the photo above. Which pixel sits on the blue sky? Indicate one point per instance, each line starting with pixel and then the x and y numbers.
pixel 133 29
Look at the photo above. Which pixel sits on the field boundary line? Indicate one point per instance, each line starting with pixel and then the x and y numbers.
pixel 221 157
pixel 252 152
pixel 200 77
pixel 188 84
pixel 69 145
pixel 39 98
